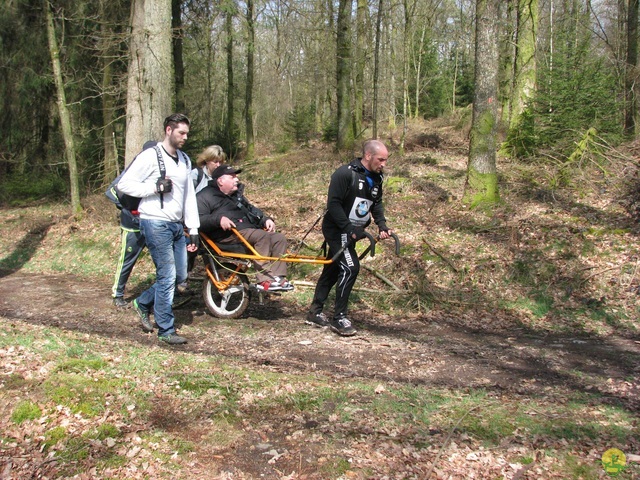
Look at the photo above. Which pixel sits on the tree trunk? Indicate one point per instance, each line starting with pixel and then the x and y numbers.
pixel 409 10
pixel 631 76
pixel 230 83
pixel 176 25
pixel 507 55
pixel 343 73
pixel 524 74
pixel 482 180
pixel 65 120
pixel 376 69
pixel 418 73
pixel 360 60
pixel 110 163
pixel 149 87
pixel 248 109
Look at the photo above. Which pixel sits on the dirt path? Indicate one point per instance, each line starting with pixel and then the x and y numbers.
pixel 428 349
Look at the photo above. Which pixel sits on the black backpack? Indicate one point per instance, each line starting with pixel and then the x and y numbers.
pixel 122 200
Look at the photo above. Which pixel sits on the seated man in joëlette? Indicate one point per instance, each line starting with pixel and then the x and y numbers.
pixel 222 206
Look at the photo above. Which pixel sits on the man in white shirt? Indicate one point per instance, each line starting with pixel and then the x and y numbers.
pixel 160 177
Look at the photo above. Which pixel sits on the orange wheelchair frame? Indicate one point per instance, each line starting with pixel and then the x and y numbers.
pixel 226 289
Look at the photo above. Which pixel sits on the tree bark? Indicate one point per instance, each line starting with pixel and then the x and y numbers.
pixel 65 119
pixel 482 180
pixel 110 163
pixel 409 10
pixel 631 76
pixel 230 10
pixel 149 88
pixel 376 68
pixel 178 62
pixel 524 65
pixel 360 60
pixel 248 109
pixel 343 75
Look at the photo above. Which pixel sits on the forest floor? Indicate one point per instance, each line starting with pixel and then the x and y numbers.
pixel 461 386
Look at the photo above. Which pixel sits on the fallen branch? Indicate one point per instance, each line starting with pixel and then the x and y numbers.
pixel 302 283
pixel 383 278
pixel 446 440
pixel 520 473
pixel 595 274
pixel 446 260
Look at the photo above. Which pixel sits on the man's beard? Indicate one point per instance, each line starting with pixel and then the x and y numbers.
pixel 175 143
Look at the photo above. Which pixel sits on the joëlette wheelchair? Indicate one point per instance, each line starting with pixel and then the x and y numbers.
pixel 227 289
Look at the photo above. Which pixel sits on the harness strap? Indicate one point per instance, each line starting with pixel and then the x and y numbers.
pixel 163 171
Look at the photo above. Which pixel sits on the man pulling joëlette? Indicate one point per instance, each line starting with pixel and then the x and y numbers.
pixel 354 196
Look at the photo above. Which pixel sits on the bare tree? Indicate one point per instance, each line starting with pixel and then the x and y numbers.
pixel 524 63
pixel 343 75
pixel 230 10
pixel 482 180
pixel 248 106
pixel 409 8
pixel 63 111
pixel 106 44
pixel 178 61
pixel 360 61
pixel 631 73
pixel 376 68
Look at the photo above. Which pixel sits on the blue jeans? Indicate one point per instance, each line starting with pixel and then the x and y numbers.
pixel 166 244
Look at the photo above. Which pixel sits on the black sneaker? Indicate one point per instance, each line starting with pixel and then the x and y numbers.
pixel 342 326
pixel 172 339
pixel 120 302
pixel 147 326
pixel 317 319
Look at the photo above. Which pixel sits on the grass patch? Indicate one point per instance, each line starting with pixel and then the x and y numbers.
pixel 24 411
pixel 335 467
pixel 53 436
pixel 538 305
pixel 79 365
pixel 83 395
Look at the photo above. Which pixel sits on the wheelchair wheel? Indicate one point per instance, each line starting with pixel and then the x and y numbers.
pixel 228 304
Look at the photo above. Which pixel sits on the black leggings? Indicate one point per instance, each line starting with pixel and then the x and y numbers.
pixel 342 273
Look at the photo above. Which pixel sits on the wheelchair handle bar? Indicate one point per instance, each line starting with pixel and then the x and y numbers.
pixel 372 245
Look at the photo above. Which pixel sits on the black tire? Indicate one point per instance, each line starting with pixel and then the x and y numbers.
pixel 231 303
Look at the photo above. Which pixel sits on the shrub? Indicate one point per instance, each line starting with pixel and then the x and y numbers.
pixel 300 122
pixel 16 188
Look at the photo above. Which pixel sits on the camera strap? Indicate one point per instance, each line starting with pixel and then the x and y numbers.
pixel 163 171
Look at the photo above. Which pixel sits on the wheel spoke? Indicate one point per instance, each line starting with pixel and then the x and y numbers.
pixel 224 300
pixel 230 303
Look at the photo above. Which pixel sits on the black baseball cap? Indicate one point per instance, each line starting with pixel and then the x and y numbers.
pixel 224 170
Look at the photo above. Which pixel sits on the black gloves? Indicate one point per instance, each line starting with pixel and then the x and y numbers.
pixel 357 234
pixel 194 239
pixel 164 185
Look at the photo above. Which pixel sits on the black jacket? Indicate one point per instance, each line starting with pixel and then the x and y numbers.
pixel 351 201
pixel 213 205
